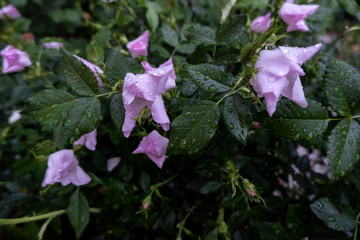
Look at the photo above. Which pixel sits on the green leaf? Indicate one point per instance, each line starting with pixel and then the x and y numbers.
pixel 55 107
pixel 201 35
pixel 117 111
pixel 170 36
pixel 342 87
pixel 78 212
pixel 78 76
pixel 152 18
pixel 212 235
pixel 237 117
pixel 232 29
pixel 352 7
pixel 292 121
pixel 116 67
pixel 336 215
pixel 209 77
pixel 193 128
pixel 102 37
pixel 210 187
pixel 343 147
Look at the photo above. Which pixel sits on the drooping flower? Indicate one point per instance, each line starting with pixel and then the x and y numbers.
pixel 144 90
pixel 95 69
pixel 154 146
pixel 278 74
pixel 55 45
pixel 89 140
pixel 15 116
pixel 63 167
pixel 14 60
pixel 112 163
pixel 10 11
pixel 294 15
pixel 261 24
pixel 138 47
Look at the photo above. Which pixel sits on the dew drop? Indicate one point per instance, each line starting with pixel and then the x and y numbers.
pixel 183 144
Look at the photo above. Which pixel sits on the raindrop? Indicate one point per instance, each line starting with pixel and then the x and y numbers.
pixel 187 114
pixel 183 144
pixel 212 88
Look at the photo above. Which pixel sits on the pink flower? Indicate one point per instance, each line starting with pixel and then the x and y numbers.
pixel 10 11
pixel 261 24
pixel 89 140
pixel 138 47
pixel 154 146
pixel 55 45
pixel 14 60
pixel 15 116
pixel 294 15
pixel 96 70
pixel 63 167
pixel 144 90
pixel 278 74
pixel 112 163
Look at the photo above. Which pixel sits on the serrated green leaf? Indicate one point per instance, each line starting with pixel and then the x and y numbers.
pixel 152 18
pixel 78 76
pixel 342 87
pixel 116 67
pixel 336 215
pixel 324 17
pixel 237 117
pixel 170 36
pixel 117 111
pixel 78 212
pixel 193 128
pixel 55 107
pixel 210 78
pixel 343 147
pixel 102 37
pixel 201 35
pixel 292 121
pixel 232 29
pixel 226 56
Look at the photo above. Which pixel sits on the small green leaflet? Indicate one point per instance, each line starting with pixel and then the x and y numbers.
pixel 342 87
pixel 152 18
pixel 210 78
pixel 116 67
pixel 170 36
pixel 117 111
pixel 78 76
pixel 191 131
pixel 237 117
pixel 232 29
pixel 78 212
pixel 336 215
pixel 343 147
pixel 201 35
pixel 292 121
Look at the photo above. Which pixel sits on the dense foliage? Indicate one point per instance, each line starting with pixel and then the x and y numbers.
pixel 242 162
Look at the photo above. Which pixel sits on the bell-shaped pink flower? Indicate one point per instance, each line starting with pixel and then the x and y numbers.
pixel 294 15
pixel 14 117
pixel 63 167
pixel 278 74
pixel 154 146
pixel 10 11
pixel 89 140
pixel 144 90
pixel 55 45
pixel 14 60
pixel 95 69
pixel 138 47
pixel 261 24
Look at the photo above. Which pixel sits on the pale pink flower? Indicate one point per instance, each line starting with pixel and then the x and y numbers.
pixel 10 11
pixel 15 116
pixel 89 140
pixel 278 74
pixel 294 15
pixel 261 24
pixel 112 163
pixel 14 60
pixel 95 69
pixel 154 146
pixel 144 90
pixel 55 45
pixel 138 47
pixel 63 167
